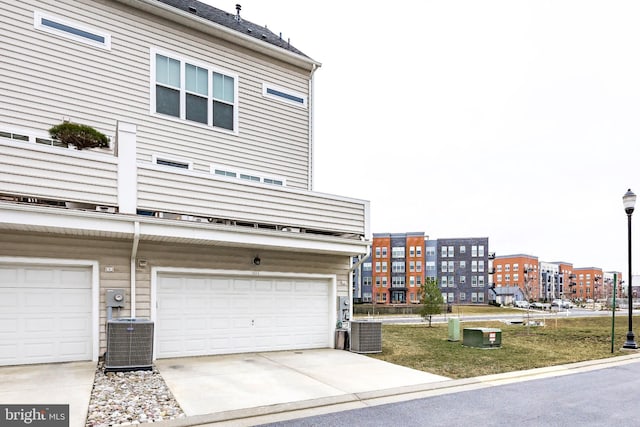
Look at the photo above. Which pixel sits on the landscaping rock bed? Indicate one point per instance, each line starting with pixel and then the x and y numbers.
pixel 130 398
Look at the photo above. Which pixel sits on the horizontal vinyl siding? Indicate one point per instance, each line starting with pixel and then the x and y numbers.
pixel 48 77
pixel 29 169
pixel 116 254
pixel 210 196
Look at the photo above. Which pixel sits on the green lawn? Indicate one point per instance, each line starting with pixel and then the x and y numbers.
pixel 572 340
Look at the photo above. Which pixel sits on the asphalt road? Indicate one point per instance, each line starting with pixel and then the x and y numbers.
pixel 604 397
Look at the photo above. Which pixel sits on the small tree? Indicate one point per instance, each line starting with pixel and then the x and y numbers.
pixel 81 136
pixel 431 299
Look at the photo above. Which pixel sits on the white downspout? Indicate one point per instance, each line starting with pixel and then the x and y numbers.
pixel 311 111
pixel 134 255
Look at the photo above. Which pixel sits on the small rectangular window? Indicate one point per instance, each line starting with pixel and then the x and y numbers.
pixel 72 30
pixel 222 172
pixel 284 95
pixel 172 162
pixel 249 177
pixel 273 181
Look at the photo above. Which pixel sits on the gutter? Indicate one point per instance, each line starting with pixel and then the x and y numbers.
pixel 134 255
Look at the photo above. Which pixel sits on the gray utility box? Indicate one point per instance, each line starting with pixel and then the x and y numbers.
pixel 366 337
pixel 454 329
pixel 482 337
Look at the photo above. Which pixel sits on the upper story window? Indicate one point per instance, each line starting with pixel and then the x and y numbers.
pixel 397 252
pixel 366 266
pixel 384 252
pixel 451 251
pixel 194 92
pixel 377 252
pixel 418 251
pixel 443 252
pixel 71 30
pixel 481 250
pixel 397 267
pixel 412 251
pixel 463 249
pixel 430 251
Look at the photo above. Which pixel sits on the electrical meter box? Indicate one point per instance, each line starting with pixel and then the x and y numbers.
pixel 115 298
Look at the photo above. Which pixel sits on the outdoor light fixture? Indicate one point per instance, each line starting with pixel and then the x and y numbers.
pixel 629 202
pixel 256 261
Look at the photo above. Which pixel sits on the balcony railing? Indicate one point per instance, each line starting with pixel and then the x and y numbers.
pixel 37 173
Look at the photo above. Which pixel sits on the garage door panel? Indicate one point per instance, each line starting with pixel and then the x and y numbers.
pixel 238 314
pixel 9 300
pixel 70 348
pixel 8 276
pixel 38 276
pixel 45 314
pixel 39 325
pixel 8 326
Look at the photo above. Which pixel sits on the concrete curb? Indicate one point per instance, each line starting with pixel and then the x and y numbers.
pixel 376 397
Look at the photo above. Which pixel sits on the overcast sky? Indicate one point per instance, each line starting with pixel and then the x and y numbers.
pixel 513 120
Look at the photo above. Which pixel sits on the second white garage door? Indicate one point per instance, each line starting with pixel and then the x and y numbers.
pixel 45 314
pixel 203 315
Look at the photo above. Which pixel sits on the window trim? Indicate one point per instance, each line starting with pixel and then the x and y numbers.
pixel 183 91
pixel 284 95
pixel 38 17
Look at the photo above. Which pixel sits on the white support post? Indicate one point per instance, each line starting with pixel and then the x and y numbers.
pixel 127 168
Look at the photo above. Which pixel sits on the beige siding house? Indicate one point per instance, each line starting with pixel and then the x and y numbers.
pixel 202 208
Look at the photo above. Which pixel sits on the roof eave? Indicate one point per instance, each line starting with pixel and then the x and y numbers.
pixel 206 26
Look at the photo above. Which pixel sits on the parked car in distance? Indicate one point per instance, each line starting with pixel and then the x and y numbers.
pixel 521 304
pixel 560 303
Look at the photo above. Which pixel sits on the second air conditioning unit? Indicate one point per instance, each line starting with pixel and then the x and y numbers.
pixel 366 337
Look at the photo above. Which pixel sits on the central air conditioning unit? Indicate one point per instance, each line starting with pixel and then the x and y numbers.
pixel 129 345
pixel 366 337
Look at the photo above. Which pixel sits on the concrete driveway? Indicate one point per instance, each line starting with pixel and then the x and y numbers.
pixel 56 383
pixel 215 384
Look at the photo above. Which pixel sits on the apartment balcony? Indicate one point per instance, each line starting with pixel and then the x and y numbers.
pixel 112 190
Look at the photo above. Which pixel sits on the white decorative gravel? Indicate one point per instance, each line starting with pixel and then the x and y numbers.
pixel 130 398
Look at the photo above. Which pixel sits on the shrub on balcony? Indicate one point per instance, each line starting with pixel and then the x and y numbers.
pixel 80 136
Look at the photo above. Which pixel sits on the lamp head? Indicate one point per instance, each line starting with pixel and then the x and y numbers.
pixel 629 201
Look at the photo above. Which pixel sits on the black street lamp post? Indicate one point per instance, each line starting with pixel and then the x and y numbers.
pixel 629 201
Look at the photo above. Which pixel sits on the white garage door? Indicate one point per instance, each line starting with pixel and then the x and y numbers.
pixel 200 315
pixel 45 314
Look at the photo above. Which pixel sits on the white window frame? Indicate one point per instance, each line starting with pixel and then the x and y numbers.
pixel 288 92
pixel 182 115
pixel 38 25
